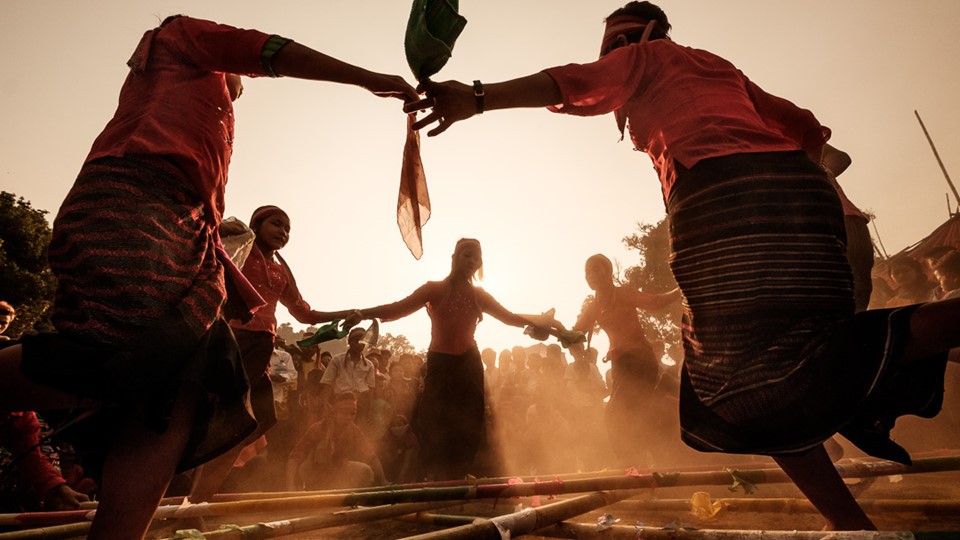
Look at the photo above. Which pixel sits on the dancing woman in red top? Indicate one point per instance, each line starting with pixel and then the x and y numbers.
pixel 274 281
pixel 141 284
pixel 635 369
pixel 449 417
pixel 775 361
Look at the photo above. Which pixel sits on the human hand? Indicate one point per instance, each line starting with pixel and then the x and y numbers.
pixel 393 86
pixel 353 319
pixel 63 497
pixel 450 101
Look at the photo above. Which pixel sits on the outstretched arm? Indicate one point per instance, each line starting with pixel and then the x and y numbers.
pixel 489 305
pixel 398 310
pixel 453 101
pixel 648 301
pixel 301 62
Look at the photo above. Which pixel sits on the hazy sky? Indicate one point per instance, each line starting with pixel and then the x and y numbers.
pixel 541 191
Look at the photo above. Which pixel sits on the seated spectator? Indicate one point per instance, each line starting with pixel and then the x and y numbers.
pixel 334 453
pixel 399 451
pixel 38 483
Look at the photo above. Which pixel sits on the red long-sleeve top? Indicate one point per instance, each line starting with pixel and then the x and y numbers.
pixel 275 285
pixel 685 105
pixel 175 101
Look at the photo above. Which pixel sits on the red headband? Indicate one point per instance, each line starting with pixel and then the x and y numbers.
pixel 622 24
pixel 262 213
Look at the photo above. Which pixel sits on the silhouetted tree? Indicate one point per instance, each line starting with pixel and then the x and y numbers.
pixel 398 345
pixel 25 277
pixel 653 275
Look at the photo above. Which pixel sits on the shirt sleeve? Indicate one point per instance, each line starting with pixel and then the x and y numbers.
pixel 218 47
pixel 295 304
pixel 600 87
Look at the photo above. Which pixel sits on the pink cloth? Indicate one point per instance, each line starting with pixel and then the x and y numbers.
pixel 175 101
pixel 413 201
pixel 685 105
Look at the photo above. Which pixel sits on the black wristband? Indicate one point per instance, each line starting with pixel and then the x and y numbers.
pixel 478 95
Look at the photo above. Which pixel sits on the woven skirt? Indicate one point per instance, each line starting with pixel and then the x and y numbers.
pixel 775 360
pixel 137 308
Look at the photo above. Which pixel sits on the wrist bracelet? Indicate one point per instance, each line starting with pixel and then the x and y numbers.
pixel 478 95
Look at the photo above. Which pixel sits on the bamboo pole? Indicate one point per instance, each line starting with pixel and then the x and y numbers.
pixel 937 155
pixel 231 497
pixel 71 530
pixel 803 506
pixel 493 491
pixel 618 532
pixel 529 519
pixel 274 529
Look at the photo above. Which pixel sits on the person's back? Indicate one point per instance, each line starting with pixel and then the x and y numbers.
pixel 685 104
pixel 176 101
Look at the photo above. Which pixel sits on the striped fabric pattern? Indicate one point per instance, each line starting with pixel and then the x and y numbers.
pixel 760 258
pixel 129 245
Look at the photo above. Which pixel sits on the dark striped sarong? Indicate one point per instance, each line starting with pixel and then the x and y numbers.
pixel 775 362
pixel 138 303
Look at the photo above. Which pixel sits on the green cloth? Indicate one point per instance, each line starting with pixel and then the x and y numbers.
pixel 327 332
pixel 433 28
pixel 570 337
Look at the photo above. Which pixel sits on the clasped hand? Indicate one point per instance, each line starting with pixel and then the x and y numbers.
pixel 449 101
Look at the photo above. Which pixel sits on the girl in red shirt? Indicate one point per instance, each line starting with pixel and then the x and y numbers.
pixel 273 280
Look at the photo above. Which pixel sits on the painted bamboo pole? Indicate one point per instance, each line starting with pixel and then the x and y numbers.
pixel 273 529
pixel 493 491
pixel 618 532
pixel 529 519
pixel 801 506
pixel 71 530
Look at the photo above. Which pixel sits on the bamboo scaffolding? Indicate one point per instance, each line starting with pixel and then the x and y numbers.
pixel 494 491
pixel 802 506
pixel 274 529
pixel 529 519
pixel 617 532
